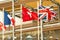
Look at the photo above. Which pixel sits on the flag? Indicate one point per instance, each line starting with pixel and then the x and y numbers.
pixel 28 15
pixel 25 14
pixel 8 19
pixel 43 16
pixel 50 14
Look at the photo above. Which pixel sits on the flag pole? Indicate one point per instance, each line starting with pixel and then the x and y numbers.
pixel 41 23
pixel 38 19
pixel 13 15
pixel 3 26
pixel 40 2
pixel 21 24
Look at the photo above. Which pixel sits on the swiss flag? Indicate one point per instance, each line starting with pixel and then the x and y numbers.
pixel 27 15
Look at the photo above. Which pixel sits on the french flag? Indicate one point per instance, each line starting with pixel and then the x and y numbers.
pixel 8 19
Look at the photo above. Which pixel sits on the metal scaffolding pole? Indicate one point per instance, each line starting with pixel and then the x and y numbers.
pixel 21 23
pixel 38 19
pixel 3 25
pixel 41 23
pixel 59 12
pixel 13 15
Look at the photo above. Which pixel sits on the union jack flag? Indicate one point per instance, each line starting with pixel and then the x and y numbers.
pixel 49 14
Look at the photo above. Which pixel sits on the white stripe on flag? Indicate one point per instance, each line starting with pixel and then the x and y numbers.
pixel 11 19
pixel 43 15
pixel 9 16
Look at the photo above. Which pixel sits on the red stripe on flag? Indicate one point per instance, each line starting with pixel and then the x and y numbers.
pixel 13 21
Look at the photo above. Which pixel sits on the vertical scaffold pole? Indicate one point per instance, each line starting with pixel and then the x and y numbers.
pixel 13 15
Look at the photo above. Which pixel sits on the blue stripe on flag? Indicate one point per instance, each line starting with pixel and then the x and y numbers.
pixel 6 19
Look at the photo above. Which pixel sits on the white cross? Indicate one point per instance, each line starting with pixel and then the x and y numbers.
pixel 29 14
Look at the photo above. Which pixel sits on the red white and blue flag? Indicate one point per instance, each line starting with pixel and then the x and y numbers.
pixel 50 14
pixel 7 20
